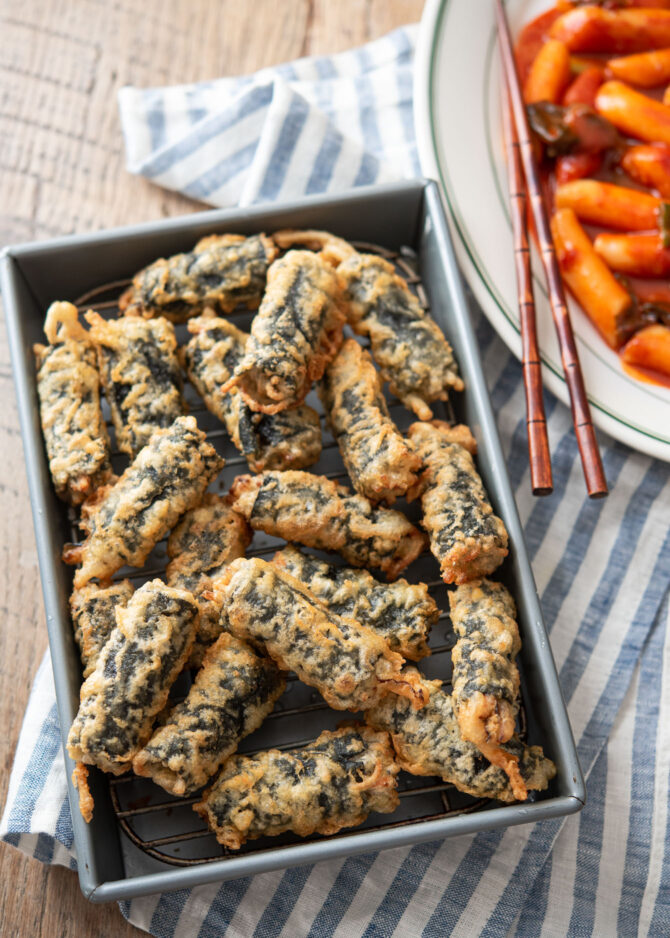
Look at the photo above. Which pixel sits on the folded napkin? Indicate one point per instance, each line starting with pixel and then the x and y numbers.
pixel 602 570
pixel 315 125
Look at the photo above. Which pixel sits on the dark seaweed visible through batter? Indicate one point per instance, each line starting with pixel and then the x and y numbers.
pixel 290 439
pixel 333 783
pixel 221 272
pixel 132 677
pixel 232 694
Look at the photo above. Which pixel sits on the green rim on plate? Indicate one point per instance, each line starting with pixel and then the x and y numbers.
pixel 470 249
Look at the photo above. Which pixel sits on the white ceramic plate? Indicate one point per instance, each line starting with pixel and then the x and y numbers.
pixel 459 131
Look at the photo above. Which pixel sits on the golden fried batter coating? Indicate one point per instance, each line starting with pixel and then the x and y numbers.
pixel 401 612
pixel 221 272
pixel 380 464
pixel 68 385
pixel 232 694
pixel 466 537
pixel 93 611
pixel 296 332
pixel 316 512
pixel 332 783
pixel 349 664
pixel 332 249
pixel 429 742
pixel 80 782
pixel 132 678
pixel 409 347
pixel 127 519
pixel 206 539
pixel 288 440
pixel 485 677
pixel 140 376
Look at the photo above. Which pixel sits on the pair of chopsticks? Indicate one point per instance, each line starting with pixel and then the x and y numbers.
pixel 523 169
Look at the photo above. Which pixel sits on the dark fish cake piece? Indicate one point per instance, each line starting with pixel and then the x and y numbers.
pixel 401 612
pixel 287 440
pixel 206 539
pixel 317 512
pixel 140 376
pixel 93 611
pixel 127 519
pixel 296 332
pixel 130 683
pixel 68 386
pixel 409 347
pixel 429 742
pixel 379 461
pixel 232 694
pixel 466 537
pixel 350 665
pixel 332 783
pixel 221 272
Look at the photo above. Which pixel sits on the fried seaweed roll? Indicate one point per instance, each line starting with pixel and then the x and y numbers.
pixel 319 513
pixel 409 347
pixel 332 249
pixel 132 677
pixel 429 742
pixel 332 783
pixel 127 519
pixel 380 464
pixel 351 666
pixel 485 677
pixel 466 537
pixel 68 385
pixel 296 332
pixel 401 612
pixel 80 782
pixel 140 376
pixel 93 611
pixel 206 539
pixel 232 694
pixel 221 272
pixel 288 440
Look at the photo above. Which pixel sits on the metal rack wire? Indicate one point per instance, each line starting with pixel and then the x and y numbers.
pixel 165 827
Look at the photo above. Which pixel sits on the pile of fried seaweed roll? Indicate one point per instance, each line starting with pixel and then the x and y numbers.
pixel 240 625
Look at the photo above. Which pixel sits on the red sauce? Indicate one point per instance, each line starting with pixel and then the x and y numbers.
pixel 577 166
pixel 584 87
pixel 531 38
pixel 651 291
pixel 647 375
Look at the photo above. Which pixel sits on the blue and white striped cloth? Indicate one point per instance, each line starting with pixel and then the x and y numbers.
pixel 602 571
pixel 315 125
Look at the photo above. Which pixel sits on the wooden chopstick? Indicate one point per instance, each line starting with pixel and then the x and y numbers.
pixel 536 421
pixel 594 474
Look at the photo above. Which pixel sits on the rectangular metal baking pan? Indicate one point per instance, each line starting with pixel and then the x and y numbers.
pixel 112 866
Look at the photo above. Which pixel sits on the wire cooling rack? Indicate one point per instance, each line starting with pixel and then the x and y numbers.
pixel 165 827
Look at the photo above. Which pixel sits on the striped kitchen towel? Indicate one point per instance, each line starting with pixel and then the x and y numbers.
pixel 316 125
pixel 602 570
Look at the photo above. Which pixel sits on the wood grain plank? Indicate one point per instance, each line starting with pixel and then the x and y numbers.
pixel 62 63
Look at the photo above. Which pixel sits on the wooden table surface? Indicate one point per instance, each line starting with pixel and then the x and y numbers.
pixel 62 170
